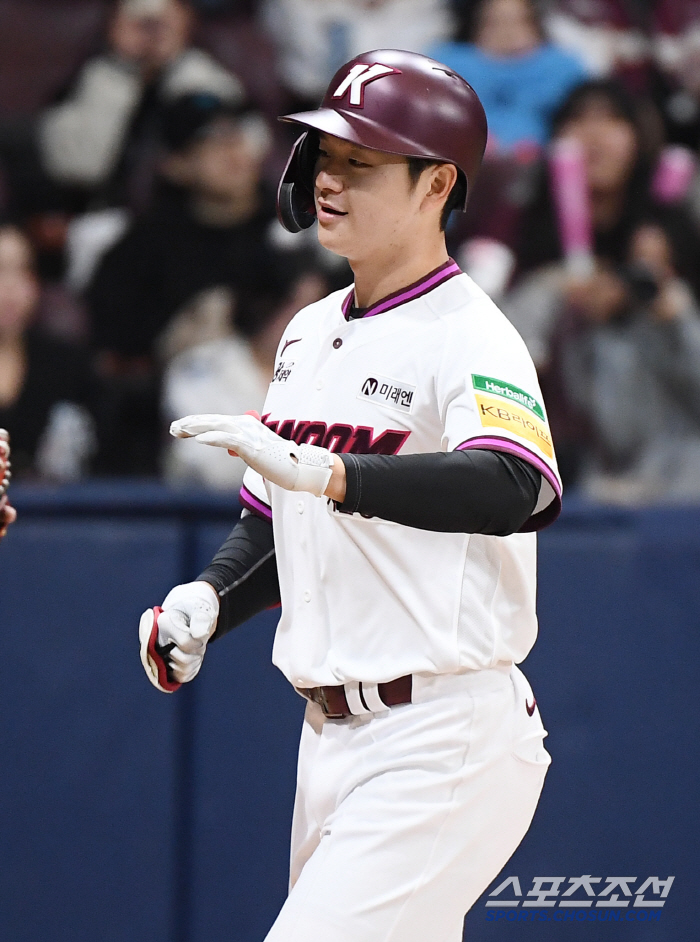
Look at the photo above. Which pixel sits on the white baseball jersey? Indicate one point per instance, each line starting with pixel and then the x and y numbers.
pixel 435 367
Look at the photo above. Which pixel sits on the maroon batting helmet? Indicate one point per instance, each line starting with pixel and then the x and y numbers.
pixel 393 101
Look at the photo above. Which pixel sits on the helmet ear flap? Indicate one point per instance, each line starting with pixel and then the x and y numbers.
pixel 295 196
pixel 462 188
pixel 289 213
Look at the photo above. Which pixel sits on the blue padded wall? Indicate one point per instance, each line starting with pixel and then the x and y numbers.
pixel 614 671
pixel 86 789
pixel 130 816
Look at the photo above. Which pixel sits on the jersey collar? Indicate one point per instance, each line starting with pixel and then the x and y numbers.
pixel 425 284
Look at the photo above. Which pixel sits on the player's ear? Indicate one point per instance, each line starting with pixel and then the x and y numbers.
pixel 442 179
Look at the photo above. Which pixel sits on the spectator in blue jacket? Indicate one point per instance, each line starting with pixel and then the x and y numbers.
pixel 520 77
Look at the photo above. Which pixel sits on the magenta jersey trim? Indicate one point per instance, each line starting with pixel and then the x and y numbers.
pixel 252 503
pixel 416 290
pixel 494 443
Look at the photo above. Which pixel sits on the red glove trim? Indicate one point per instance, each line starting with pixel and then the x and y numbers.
pixel 161 666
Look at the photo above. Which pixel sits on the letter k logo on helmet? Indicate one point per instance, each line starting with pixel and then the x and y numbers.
pixel 359 76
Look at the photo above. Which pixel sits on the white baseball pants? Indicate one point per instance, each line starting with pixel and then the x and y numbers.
pixel 402 819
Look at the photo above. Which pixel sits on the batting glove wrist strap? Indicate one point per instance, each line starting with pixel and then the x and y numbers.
pixel 291 466
pixel 314 469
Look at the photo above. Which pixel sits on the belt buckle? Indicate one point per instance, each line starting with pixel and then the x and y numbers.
pixel 322 701
pixel 317 695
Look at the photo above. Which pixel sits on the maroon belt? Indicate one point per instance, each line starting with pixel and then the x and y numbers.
pixel 334 702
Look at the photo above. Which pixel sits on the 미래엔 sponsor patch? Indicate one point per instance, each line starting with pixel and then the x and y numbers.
pixel 388 392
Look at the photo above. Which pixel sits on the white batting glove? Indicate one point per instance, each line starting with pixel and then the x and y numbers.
pixel 174 638
pixel 294 467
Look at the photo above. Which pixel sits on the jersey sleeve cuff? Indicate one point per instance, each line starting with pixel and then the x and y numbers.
pixel 254 504
pixel 540 518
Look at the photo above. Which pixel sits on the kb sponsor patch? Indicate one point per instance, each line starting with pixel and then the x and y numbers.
pixel 496 414
pixel 388 392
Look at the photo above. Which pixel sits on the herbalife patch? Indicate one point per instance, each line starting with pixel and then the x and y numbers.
pixel 388 392
pixel 498 388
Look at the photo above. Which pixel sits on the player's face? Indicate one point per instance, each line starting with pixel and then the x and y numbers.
pixel 365 201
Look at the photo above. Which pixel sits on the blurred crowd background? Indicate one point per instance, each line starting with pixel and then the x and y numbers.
pixel 144 276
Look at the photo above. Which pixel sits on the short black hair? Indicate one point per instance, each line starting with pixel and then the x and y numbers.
pixel 457 195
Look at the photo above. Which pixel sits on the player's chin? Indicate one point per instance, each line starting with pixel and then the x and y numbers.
pixel 336 238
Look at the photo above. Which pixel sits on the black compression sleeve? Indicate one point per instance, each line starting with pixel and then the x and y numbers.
pixel 244 573
pixel 471 491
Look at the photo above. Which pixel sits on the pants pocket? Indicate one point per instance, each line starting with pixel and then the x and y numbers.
pixel 528 731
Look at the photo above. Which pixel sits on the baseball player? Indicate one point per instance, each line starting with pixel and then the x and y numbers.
pixel 395 483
